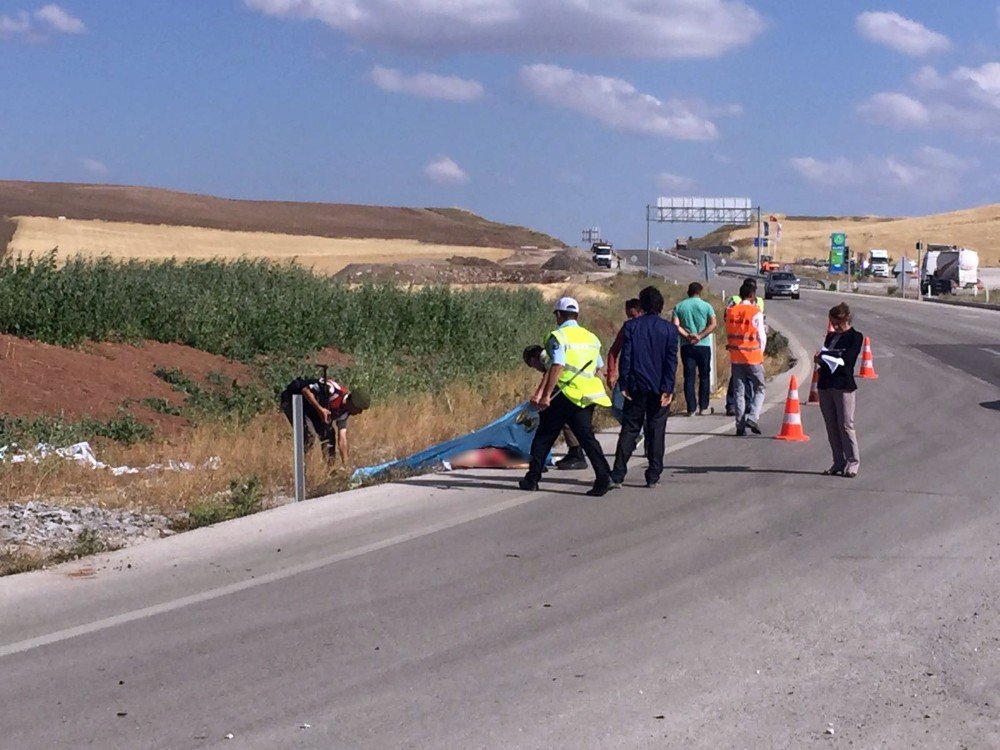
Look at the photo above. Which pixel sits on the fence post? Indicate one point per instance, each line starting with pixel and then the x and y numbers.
pixel 298 448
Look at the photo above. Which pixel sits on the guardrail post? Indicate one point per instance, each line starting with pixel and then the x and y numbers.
pixel 298 448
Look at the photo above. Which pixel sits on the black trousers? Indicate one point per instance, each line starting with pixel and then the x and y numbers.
pixel 563 412
pixel 696 359
pixel 642 412
pixel 312 427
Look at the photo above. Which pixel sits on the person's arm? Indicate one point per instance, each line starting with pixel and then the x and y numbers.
pixel 852 352
pixel 758 322
pixel 625 359
pixel 543 394
pixel 310 397
pixel 614 354
pixel 669 373
pixel 709 329
pixel 681 329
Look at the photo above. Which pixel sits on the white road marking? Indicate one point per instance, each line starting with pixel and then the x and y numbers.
pixel 994 352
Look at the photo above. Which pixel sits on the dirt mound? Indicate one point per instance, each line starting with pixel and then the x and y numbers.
pixel 95 380
pixel 471 261
pixel 413 273
pixel 572 260
pixel 446 226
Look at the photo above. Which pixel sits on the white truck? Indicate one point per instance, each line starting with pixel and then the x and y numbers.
pixel 602 254
pixel 878 262
pixel 945 267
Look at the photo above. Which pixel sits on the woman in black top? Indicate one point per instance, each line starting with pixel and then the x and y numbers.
pixel 837 391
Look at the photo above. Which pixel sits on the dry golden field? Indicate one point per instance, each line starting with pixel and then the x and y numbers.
pixel 977 228
pixel 154 242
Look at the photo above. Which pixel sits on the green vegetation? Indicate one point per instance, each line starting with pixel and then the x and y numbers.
pixel 124 428
pixel 274 315
pixel 219 399
pixel 246 497
pixel 88 542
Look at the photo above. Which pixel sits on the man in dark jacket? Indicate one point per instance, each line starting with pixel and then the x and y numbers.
pixel 647 368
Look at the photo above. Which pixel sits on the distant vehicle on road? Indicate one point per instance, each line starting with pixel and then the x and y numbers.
pixel 768 264
pixel 878 262
pixel 945 267
pixel 781 284
pixel 602 253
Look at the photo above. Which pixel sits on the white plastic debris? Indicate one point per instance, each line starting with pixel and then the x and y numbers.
pixel 305 726
pixel 230 735
pixel 84 455
pixel 829 729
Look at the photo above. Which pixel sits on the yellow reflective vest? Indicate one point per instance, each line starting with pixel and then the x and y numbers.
pixel 578 380
pixel 736 299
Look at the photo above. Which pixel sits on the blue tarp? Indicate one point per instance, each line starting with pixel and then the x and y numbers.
pixel 513 431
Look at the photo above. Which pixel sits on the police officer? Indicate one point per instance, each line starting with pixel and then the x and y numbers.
pixel 567 394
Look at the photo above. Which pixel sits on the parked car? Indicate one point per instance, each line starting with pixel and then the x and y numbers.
pixel 781 284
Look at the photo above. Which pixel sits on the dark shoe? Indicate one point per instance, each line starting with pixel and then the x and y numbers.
pixel 753 427
pixel 571 463
pixel 850 474
pixel 833 471
pixel 651 484
pixel 527 485
pixel 730 412
pixel 741 431
pixel 601 488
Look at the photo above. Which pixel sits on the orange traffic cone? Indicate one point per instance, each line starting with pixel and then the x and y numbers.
pixel 814 388
pixel 867 362
pixel 791 425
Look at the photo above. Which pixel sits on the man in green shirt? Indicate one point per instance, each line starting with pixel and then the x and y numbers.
pixel 695 320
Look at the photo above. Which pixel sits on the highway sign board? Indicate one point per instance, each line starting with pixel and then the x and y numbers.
pixel 838 241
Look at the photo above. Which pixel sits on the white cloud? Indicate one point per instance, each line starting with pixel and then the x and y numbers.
pixel 426 85
pixel 619 105
pixel 625 28
pixel 675 181
pixel 901 34
pixel 38 25
pixel 58 20
pixel 898 110
pixel 446 172
pixel 94 167
pixel 965 100
pixel 929 172
pixel 19 23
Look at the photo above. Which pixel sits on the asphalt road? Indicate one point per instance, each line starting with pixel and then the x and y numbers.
pixel 747 602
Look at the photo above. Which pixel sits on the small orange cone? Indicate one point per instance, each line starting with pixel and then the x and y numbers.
pixel 814 388
pixel 791 425
pixel 867 362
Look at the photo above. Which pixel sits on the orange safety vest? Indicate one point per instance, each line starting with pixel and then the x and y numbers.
pixel 743 342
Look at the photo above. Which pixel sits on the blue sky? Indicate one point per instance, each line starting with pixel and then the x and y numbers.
pixel 555 114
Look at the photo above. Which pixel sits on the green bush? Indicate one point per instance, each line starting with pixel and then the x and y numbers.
pixel 246 497
pixel 275 315
pixel 124 428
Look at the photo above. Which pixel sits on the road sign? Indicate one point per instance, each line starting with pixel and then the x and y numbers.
pixel 760 242
pixel 838 241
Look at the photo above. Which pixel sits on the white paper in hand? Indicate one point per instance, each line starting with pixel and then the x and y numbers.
pixel 829 360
